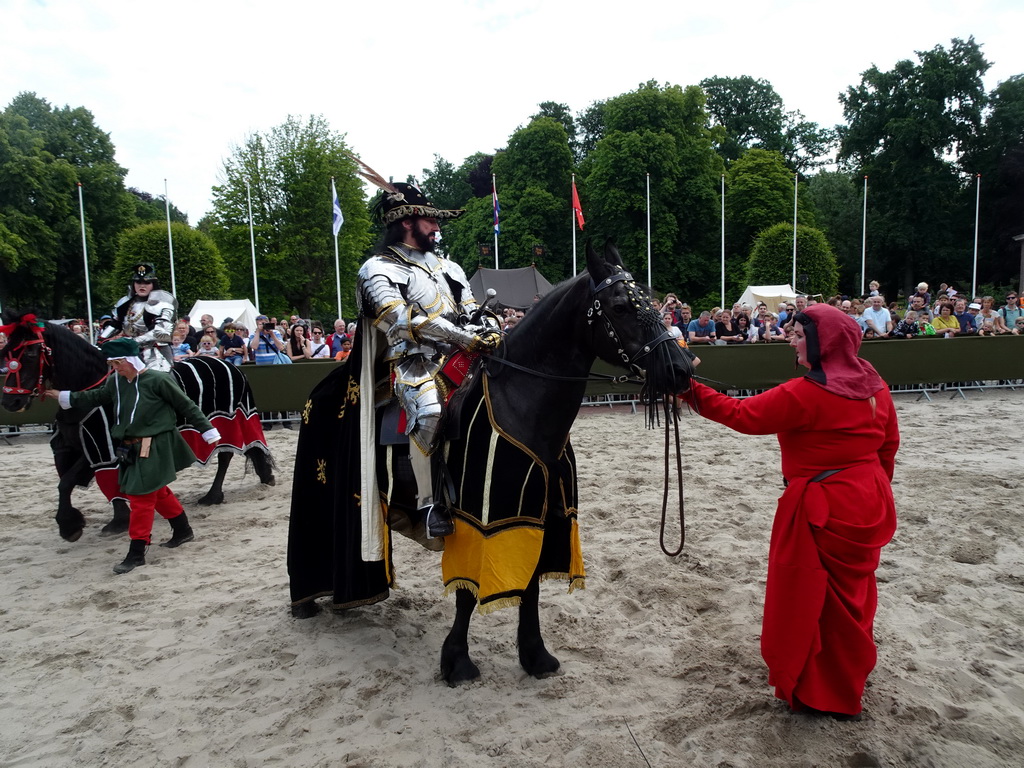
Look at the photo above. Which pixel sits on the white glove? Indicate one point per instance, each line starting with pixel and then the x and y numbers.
pixel 211 436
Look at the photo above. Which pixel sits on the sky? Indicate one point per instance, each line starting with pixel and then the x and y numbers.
pixel 179 85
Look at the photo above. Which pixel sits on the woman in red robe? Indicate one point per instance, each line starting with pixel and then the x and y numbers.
pixel 838 434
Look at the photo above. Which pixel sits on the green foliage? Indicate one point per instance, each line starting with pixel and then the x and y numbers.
pixel 906 131
pixel 199 270
pixel 289 171
pixel 44 153
pixel 771 261
pixel 445 185
pixel 150 208
pixel 838 202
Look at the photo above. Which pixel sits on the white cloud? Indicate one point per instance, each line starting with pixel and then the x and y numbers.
pixel 176 85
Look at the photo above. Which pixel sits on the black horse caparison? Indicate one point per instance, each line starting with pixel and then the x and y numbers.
pixel 520 402
pixel 48 355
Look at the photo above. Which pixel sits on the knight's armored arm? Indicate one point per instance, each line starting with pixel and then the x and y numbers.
pixel 399 320
pixel 162 313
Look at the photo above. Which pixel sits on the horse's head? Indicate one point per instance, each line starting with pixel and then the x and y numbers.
pixel 629 329
pixel 24 362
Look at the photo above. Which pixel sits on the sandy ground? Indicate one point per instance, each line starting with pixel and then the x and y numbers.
pixel 194 660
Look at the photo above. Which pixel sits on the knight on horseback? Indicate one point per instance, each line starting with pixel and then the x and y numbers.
pixel 420 310
pixel 147 315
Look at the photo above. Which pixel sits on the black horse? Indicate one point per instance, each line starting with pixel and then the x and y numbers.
pixel 40 354
pixel 512 470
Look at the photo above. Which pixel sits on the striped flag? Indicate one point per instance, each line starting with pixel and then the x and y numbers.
pixel 339 219
pixel 497 208
pixel 576 207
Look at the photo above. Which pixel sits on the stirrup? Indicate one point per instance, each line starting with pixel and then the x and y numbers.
pixel 438 521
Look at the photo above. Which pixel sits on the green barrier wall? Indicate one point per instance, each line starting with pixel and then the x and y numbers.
pixel 899 361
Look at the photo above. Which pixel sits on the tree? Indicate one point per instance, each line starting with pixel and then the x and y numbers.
pixel 560 112
pixel 445 186
pixel 906 130
pixel 44 153
pixel 771 261
pixel 289 171
pixel 838 206
pixel 199 270
pixel 751 115
pixel 150 208
pixel 659 130
pixel 533 175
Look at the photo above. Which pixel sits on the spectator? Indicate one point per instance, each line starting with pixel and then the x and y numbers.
pixel 346 350
pixel 266 342
pixel 1012 311
pixel 207 347
pixel 233 348
pixel 992 323
pixel 965 318
pixel 672 305
pixel 212 330
pixel 877 320
pixel 192 336
pixel 799 305
pixel 873 289
pixel 667 319
pixel 770 329
pixel 727 331
pixel 319 348
pixel 180 349
pixel 916 304
pixel 701 330
pixel 339 335
pixel 922 291
pixel 298 344
pixel 685 316
pixel 944 323
pixel 907 327
pixel 78 330
pixel 924 325
pixel 1018 327
pixel 783 313
pixel 748 331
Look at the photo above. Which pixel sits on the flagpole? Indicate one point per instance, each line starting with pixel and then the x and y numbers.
pixel 572 226
pixel 796 182
pixel 723 239
pixel 977 208
pixel 85 260
pixel 170 240
pixel 252 246
pixel 864 238
pixel 337 221
pixel 649 280
pixel 494 191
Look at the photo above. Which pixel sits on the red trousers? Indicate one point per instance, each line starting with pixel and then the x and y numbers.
pixel 140 522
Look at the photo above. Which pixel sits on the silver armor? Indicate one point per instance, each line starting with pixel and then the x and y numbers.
pixel 150 322
pixel 421 303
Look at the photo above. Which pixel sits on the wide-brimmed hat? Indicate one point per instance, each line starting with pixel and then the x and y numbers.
pixel 974 306
pixel 406 201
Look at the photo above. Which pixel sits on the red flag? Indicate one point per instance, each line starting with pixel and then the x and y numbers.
pixel 576 207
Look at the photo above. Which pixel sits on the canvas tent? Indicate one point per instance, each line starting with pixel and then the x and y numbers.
pixel 771 295
pixel 239 310
pixel 514 287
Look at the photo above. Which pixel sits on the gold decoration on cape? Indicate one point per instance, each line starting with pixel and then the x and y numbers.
pixel 321 470
pixel 307 408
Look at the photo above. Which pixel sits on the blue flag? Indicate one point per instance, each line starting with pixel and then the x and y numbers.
pixel 339 219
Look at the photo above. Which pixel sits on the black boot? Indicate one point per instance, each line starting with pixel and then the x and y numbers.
pixel 136 556
pixel 181 531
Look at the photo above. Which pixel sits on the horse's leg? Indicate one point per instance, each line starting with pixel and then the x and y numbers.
pixel 533 656
pixel 119 523
pixel 216 493
pixel 456 666
pixel 261 463
pixel 70 521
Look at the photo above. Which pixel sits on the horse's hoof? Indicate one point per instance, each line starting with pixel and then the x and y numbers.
pixel 270 481
pixel 71 536
pixel 115 527
pixel 211 499
pixel 306 610
pixel 539 663
pixel 457 667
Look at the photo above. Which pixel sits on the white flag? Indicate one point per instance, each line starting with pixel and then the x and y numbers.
pixel 339 219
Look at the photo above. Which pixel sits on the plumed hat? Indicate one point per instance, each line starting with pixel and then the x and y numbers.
pixel 122 347
pixel 143 272
pixel 398 200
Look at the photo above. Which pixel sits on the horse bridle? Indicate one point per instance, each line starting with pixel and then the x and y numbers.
pixel 597 311
pixel 14 367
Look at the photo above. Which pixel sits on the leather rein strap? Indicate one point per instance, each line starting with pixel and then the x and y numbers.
pixel 672 426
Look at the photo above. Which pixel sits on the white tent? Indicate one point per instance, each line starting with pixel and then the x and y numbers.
pixel 771 295
pixel 239 310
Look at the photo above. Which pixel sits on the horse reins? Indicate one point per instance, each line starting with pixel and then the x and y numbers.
pixel 14 367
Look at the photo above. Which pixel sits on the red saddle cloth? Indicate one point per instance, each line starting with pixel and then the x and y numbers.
pixel 454 369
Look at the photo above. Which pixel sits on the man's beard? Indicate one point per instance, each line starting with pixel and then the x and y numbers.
pixel 423 241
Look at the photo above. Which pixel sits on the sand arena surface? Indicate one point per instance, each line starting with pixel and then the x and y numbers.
pixel 193 660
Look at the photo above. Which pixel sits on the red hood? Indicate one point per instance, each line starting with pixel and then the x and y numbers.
pixel 833 338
